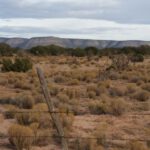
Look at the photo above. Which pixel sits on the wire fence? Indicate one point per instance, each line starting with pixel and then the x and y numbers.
pixel 69 112
pixel 21 112
pixel 79 137
pixel 73 137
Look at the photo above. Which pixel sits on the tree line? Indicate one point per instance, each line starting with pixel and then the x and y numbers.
pixel 23 64
pixel 6 50
pixel 53 50
pixel 88 51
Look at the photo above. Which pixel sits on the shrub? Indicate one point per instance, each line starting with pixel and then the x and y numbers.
pixel 25 101
pixel 146 87
pixel 99 107
pixel 73 82
pixel 7 65
pixel 3 82
pixel 19 65
pixel 63 97
pixel 60 79
pixel 100 134
pixel 9 113
pixel 43 119
pixel 137 58
pixel 114 75
pixel 115 91
pixel 54 90
pixel 34 127
pixel 22 85
pixel 104 84
pixel 109 106
pixel 22 65
pixel 131 89
pixel 40 107
pixel 135 145
pixel 72 93
pixel 95 90
pixel 141 95
pixel 91 94
pixel 134 79
pixel 88 144
pixel 20 136
pixel 43 138
pixel 6 50
pixel 67 120
pixel 23 118
pixel 8 100
pixel 39 98
pixel 119 62
pixel 91 88
pixel 118 106
pixel 1 120
pixel 144 106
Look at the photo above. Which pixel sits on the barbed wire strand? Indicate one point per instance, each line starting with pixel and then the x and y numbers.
pixel 25 111
pixel 65 112
pixel 78 137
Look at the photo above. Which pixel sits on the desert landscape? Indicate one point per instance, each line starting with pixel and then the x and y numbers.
pixel 74 75
pixel 103 103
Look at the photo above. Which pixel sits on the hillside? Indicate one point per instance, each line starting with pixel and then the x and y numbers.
pixel 72 43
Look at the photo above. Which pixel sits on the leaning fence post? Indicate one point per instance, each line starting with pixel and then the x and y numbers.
pixel 51 108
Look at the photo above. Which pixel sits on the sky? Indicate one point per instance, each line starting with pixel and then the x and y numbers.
pixel 82 19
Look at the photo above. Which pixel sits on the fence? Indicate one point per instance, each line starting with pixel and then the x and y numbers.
pixel 57 122
pixel 79 139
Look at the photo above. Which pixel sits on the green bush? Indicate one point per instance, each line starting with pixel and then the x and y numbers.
pixel 6 50
pixel 22 65
pixel 18 65
pixel 137 58
pixel 7 65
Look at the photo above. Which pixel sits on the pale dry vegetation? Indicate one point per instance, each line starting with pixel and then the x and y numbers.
pixel 100 94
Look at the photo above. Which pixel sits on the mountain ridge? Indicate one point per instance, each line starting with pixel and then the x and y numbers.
pixel 27 43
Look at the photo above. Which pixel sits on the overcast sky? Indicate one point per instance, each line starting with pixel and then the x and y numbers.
pixel 88 19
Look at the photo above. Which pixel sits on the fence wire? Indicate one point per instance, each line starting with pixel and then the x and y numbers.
pixel 66 112
pixel 78 137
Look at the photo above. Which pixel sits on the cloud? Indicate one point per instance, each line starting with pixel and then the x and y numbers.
pixel 122 11
pixel 74 28
pixel 96 19
pixel 76 3
pixel 55 8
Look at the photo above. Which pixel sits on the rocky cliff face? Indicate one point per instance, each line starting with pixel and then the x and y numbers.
pixel 72 43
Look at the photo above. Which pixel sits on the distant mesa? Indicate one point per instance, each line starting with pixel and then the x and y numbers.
pixel 25 43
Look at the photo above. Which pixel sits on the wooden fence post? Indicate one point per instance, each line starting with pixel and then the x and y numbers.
pixel 51 108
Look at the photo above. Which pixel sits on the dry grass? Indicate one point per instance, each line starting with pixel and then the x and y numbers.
pixel 135 145
pixel 25 101
pixel 106 105
pixel 18 137
pixel 74 85
pixel 9 113
pixel 141 95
